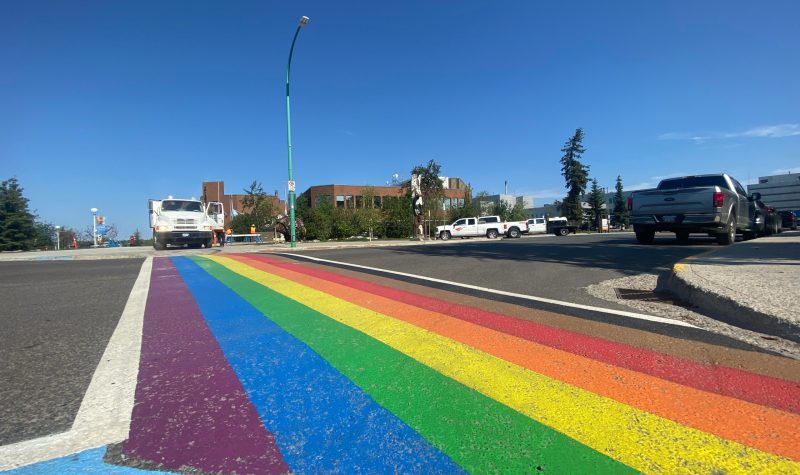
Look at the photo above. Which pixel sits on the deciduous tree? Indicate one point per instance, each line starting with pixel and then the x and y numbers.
pixel 258 206
pixel 45 235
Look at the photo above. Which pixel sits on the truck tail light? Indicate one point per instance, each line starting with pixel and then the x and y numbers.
pixel 630 203
pixel 719 199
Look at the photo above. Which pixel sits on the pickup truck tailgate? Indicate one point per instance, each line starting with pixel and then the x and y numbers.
pixel 670 202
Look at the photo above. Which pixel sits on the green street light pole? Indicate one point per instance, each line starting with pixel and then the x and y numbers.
pixel 291 185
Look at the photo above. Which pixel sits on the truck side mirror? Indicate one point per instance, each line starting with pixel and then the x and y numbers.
pixel 755 196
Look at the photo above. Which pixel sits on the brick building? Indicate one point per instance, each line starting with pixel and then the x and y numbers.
pixel 352 196
pixel 215 191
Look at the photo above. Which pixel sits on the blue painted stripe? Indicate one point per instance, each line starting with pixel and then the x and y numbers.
pixel 86 462
pixel 322 421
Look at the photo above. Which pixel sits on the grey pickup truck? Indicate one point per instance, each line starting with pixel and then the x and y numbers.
pixel 716 205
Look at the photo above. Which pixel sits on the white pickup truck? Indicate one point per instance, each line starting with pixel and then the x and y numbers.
pixel 184 221
pixel 536 226
pixel 489 226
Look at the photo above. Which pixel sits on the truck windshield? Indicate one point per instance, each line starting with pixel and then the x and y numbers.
pixel 692 182
pixel 178 205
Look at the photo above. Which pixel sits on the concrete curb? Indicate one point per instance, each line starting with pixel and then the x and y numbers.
pixel 692 288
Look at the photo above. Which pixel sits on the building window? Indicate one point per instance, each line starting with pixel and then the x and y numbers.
pixel 359 201
pixel 340 201
pixel 376 201
pixel 348 200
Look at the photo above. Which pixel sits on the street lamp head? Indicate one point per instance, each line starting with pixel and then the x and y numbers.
pixel 93 210
pixel 303 21
pixel 58 227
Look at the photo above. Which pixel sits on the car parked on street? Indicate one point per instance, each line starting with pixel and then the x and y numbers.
pixel 768 219
pixel 759 218
pixel 489 226
pixel 774 223
pixel 716 205
pixel 789 220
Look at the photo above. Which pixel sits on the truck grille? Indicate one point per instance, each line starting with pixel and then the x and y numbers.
pixel 185 227
pixel 180 221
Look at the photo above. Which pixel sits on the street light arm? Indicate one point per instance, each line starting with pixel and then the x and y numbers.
pixel 289 63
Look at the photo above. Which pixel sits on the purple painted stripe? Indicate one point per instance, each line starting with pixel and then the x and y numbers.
pixel 191 410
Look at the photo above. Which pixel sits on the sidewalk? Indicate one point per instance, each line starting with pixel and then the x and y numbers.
pixel 753 284
pixel 239 248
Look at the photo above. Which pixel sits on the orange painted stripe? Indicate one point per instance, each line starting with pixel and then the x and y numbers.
pixel 763 428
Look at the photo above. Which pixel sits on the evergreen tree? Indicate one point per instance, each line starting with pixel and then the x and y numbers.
pixel 17 230
pixel 621 216
pixel 576 176
pixel 596 202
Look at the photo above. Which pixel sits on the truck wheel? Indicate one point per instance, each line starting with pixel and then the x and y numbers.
pixel 444 236
pixel 682 236
pixel 209 243
pixel 644 235
pixel 491 234
pixel 563 231
pixel 157 244
pixel 728 236
pixel 514 233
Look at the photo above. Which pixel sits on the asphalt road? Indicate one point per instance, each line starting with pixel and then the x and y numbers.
pixel 543 266
pixel 56 319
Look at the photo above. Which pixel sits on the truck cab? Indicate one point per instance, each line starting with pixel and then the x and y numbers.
pixel 536 226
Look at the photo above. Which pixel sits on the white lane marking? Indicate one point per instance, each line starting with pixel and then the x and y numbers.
pixel 105 413
pixel 622 313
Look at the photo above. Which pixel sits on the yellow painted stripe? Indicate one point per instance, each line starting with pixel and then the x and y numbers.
pixel 636 438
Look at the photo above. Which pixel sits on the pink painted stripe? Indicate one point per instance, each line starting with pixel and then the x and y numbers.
pixel 759 389
pixel 191 410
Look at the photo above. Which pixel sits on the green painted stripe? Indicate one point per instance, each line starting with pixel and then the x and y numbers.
pixel 477 432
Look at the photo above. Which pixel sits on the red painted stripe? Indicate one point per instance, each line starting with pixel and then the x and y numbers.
pixel 768 391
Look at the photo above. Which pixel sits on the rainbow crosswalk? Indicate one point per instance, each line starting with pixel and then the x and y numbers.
pixel 349 375
pixel 260 364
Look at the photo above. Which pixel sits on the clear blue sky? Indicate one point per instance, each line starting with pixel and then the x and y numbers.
pixel 107 104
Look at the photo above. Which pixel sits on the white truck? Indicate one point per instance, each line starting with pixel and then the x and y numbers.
pixel 489 226
pixel 536 226
pixel 184 221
